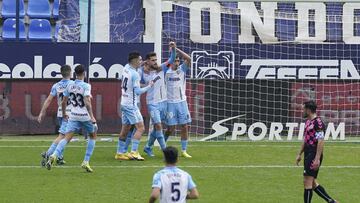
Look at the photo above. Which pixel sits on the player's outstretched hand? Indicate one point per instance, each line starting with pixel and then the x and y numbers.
pixel 172 44
pixel 298 159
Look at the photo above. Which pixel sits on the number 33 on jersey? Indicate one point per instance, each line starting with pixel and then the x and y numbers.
pixel 77 92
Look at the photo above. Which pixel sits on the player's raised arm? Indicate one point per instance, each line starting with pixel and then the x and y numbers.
pixel 185 56
pixel 45 106
pixel 171 60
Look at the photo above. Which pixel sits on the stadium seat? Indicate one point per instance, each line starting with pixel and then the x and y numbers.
pixel 9 9
pixel 56 7
pixel 40 30
pixel 39 9
pixel 9 30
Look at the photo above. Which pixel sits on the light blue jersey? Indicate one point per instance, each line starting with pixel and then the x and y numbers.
pixel 174 184
pixel 156 96
pixel 177 109
pixel 57 90
pixel 77 92
pixel 130 92
pixel 176 84
pixel 79 117
pixel 157 93
pixel 130 81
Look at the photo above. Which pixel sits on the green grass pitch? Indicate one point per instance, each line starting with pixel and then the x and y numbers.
pixel 255 172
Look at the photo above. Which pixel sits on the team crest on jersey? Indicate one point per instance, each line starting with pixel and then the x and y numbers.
pixel 219 66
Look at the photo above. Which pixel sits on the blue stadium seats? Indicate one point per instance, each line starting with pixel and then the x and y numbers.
pixel 9 9
pixel 39 9
pixel 9 30
pixel 56 8
pixel 40 30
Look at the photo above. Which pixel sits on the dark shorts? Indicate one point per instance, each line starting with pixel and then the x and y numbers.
pixel 308 159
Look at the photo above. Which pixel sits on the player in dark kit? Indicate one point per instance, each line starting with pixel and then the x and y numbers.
pixel 313 147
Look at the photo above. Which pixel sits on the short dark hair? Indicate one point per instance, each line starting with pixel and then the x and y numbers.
pixel 79 69
pixel 311 105
pixel 149 55
pixel 170 155
pixel 65 70
pixel 133 55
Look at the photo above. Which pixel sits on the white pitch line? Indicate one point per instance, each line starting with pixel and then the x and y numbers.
pixel 214 145
pixel 190 166
pixel 196 141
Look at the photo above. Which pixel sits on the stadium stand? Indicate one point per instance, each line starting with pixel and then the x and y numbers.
pixel 39 9
pixel 40 30
pixel 9 30
pixel 9 9
pixel 31 11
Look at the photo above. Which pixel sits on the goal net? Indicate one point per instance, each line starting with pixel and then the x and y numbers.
pixel 255 63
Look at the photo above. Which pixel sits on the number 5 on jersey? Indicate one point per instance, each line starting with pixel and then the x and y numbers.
pixel 175 191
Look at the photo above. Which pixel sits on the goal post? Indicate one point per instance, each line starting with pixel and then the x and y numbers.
pixel 255 63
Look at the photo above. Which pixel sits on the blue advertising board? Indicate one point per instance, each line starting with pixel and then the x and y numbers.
pixel 43 60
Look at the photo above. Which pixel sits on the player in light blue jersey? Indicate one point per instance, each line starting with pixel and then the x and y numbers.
pixel 132 131
pixel 57 90
pixel 81 116
pixel 172 184
pixel 130 111
pixel 177 110
pixel 156 98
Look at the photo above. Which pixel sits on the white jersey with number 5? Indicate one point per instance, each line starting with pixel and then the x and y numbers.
pixel 76 93
pixel 130 79
pixel 176 84
pixel 173 183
